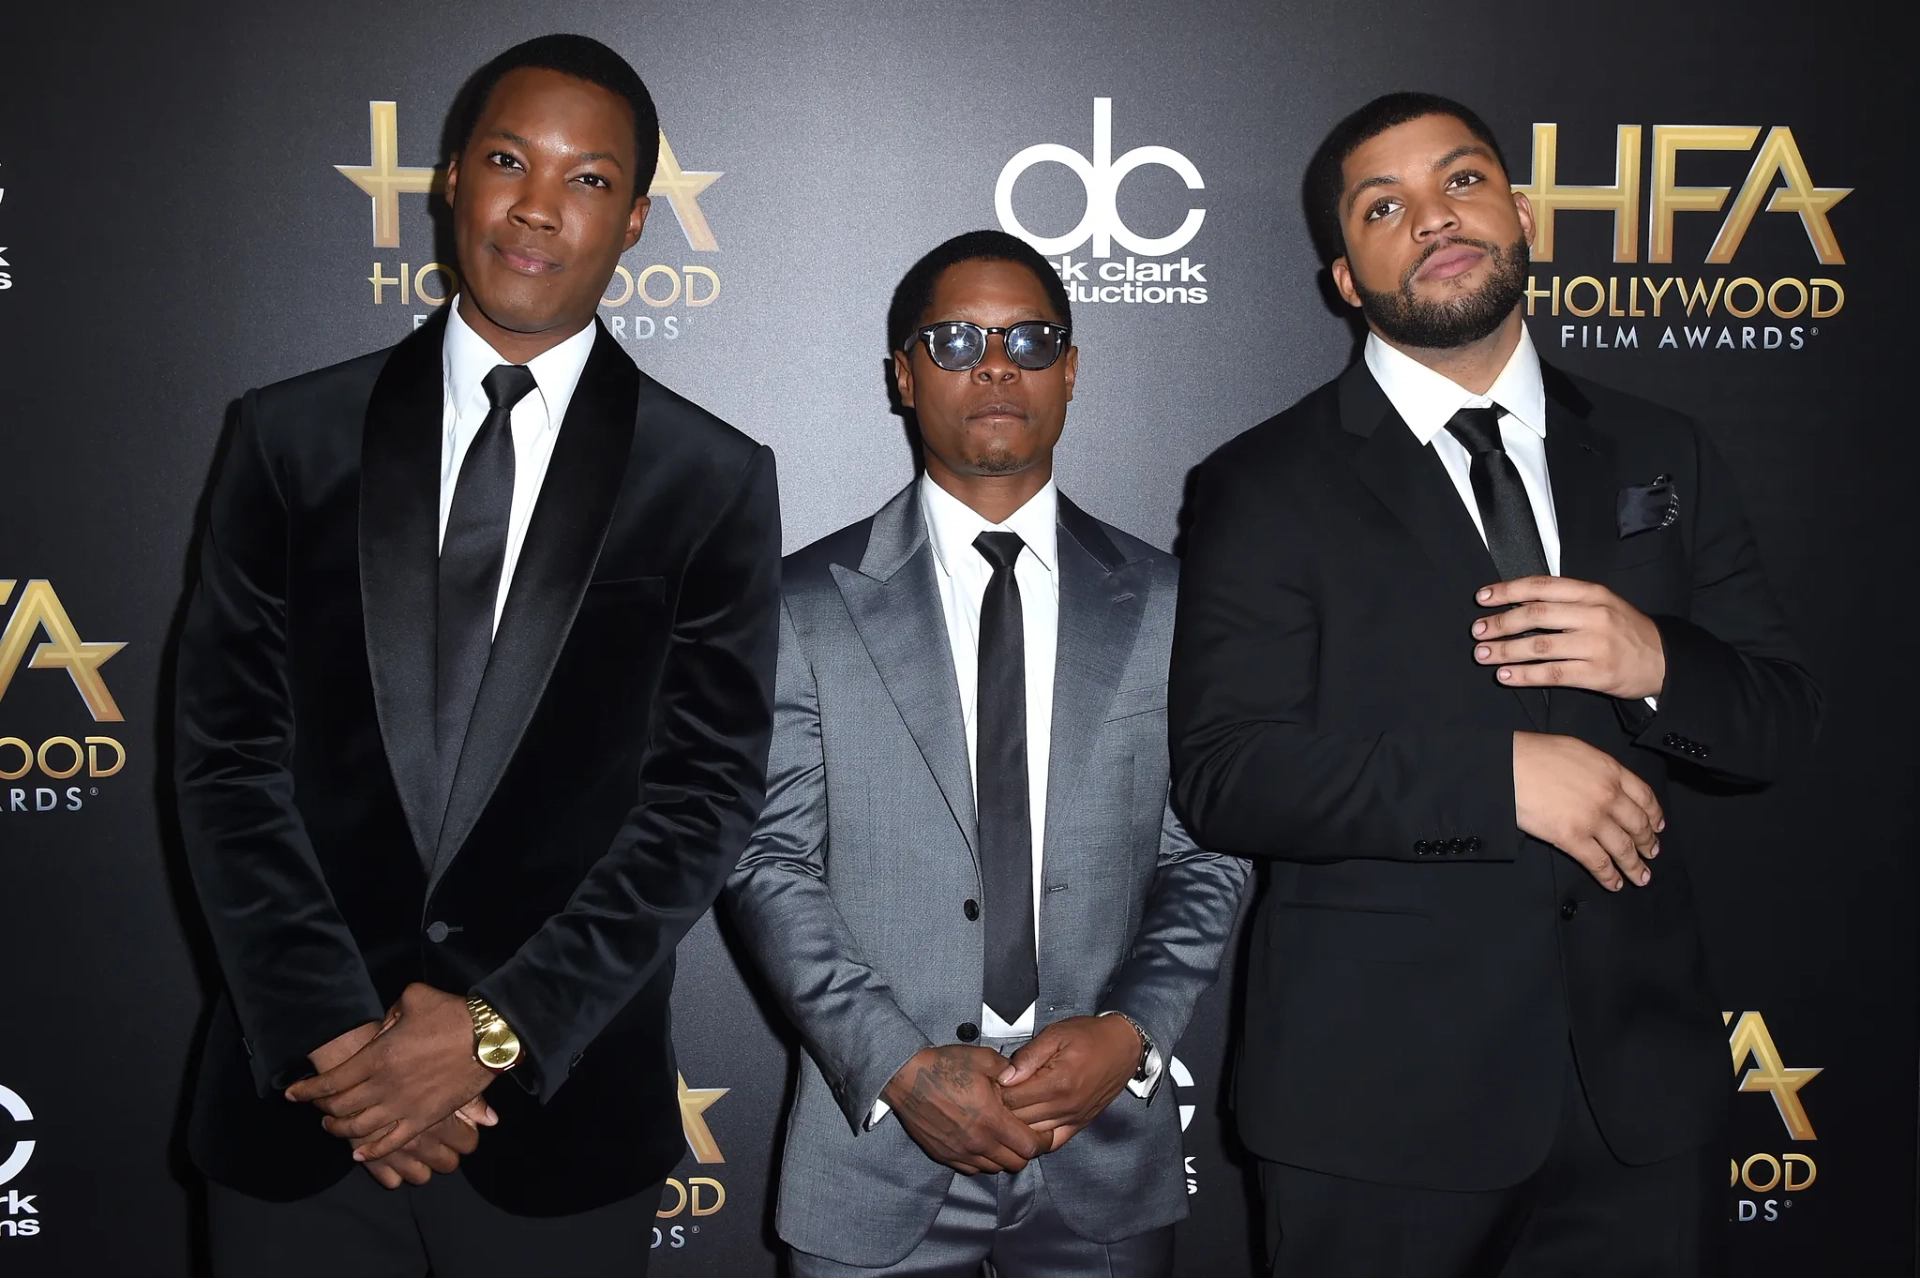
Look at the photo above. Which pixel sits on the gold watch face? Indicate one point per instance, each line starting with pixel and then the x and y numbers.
pixel 499 1047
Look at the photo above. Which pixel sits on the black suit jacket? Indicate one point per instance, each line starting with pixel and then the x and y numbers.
pixel 1418 963
pixel 613 770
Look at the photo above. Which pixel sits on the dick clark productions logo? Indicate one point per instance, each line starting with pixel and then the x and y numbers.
pixel 1100 278
pixel 19 1218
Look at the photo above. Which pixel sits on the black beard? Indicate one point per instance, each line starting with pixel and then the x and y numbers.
pixel 1405 320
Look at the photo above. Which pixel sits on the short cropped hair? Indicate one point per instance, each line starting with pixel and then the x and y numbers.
pixel 915 294
pixel 1325 182
pixel 583 58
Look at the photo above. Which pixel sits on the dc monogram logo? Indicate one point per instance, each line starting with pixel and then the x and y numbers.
pixel 16 1161
pixel 1102 176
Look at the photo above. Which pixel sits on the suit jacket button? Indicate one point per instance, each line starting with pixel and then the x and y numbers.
pixel 1570 909
pixel 1473 843
pixel 1456 846
pixel 1420 847
pixel 438 932
pixel 1670 740
pixel 970 908
pixel 968 1031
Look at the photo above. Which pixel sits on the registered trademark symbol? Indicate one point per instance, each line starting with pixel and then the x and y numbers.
pixel 93 790
pixel 1814 331
pixel 696 1229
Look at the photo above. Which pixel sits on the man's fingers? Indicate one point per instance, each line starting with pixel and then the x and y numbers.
pixel 1539 615
pixel 350 1073
pixel 1632 819
pixel 1035 1091
pixel 383 1143
pixel 1644 798
pixel 1030 1059
pixel 1619 846
pixel 1599 864
pixel 478 1112
pixel 1061 1135
pixel 387 1176
pixel 459 1136
pixel 1532 649
pixel 358 1126
pixel 1504 594
pixel 347 1103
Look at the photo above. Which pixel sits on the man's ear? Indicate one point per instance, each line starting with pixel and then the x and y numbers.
pixel 1342 273
pixel 449 179
pixel 1524 207
pixel 903 377
pixel 636 219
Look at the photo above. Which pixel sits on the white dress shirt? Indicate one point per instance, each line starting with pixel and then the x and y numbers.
pixel 1426 400
pixel 962 574
pixel 465 361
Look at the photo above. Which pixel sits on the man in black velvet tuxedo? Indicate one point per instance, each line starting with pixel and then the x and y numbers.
pixel 474 697
pixel 1448 630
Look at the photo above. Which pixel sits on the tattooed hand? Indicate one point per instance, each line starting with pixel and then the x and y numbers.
pixel 949 1102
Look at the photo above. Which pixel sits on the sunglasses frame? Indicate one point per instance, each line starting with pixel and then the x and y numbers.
pixel 924 335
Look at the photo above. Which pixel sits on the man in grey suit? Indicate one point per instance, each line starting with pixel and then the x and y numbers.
pixel 967 889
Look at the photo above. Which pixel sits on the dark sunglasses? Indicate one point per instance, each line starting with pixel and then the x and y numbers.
pixel 957 346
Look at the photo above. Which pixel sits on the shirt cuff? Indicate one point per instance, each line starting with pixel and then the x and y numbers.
pixel 1653 704
pixel 1144 1086
pixel 879 1111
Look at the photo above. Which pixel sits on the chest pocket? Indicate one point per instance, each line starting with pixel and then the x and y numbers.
pixel 1136 701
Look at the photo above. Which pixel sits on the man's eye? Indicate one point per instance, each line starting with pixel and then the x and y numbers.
pixel 504 160
pixel 1465 179
pixel 1379 209
pixel 594 179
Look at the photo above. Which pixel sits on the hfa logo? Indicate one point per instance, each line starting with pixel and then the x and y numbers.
pixel 1749 1040
pixel 39 609
pixel 1675 297
pixel 19 1220
pixel 698 1196
pixel 385 180
pixel 1100 222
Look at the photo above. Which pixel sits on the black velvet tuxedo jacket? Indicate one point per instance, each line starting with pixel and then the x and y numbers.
pixel 1419 965
pixel 611 775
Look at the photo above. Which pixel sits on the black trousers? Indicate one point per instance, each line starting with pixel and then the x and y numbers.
pixel 1583 1214
pixel 356 1229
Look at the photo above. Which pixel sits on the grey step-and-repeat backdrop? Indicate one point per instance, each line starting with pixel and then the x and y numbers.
pixel 198 198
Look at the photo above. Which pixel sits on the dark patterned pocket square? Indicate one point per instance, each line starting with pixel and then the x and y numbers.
pixel 1645 507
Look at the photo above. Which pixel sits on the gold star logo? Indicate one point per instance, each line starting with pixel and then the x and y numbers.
pixel 386 180
pixel 693 1107
pixel 40 608
pixel 1770 1073
pixel 679 188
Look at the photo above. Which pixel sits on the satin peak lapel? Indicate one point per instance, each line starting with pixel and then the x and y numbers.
pixel 399 567
pixel 563 543
pixel 1102 598
pixel 895 607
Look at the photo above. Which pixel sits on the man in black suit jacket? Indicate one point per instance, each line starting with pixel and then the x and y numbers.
pixel 475 694
pixel 1448 629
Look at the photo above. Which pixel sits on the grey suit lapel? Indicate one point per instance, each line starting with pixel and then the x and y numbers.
pixel 895 607
pixel 1102 598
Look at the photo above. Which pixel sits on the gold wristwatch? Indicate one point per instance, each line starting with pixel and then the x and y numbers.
pixel 495 1045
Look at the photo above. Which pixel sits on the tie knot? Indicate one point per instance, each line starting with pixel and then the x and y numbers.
pixel 1000 548
pixel 507 385
pixel 1478 428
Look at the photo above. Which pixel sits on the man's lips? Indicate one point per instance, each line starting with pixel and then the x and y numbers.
pixel 526 263
pixel 987 412
pixel 1454 260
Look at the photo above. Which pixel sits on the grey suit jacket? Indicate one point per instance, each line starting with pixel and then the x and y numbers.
pixel 851 891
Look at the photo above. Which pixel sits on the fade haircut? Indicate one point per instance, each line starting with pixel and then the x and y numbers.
pixel 583 58
pixel 915 294
pixel 1325 180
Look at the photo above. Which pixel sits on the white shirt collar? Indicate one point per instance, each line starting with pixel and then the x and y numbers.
pixel 1426 400
pixel 952 524
pixel 467 358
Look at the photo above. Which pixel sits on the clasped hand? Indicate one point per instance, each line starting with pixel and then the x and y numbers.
pixel 406 1092
pixel 1566 792
pixel 974 1110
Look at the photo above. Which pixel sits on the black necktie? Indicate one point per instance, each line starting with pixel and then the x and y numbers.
pixel 471 555
pixel 1000 786
pixel 1513 537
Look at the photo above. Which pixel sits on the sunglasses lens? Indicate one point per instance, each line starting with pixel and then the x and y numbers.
pixel 956 347
pixel 1035 346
